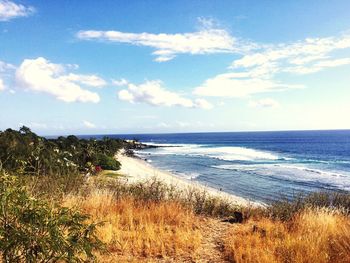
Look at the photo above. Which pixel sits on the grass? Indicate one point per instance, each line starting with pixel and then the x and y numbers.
pixel 285 209
pixel 143 229
pixel 151 221
pixel 153 190
pixel 111 174
pixel 313 235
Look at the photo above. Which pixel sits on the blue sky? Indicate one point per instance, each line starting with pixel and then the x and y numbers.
pixel 91 67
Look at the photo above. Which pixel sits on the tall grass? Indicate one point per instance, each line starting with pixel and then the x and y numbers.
pixel 53 187
pixel 285 209
pixel 140 228
pixel 150 220
pixel 312 236
pixel 199 201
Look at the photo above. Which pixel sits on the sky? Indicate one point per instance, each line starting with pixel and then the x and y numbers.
pixel 109 67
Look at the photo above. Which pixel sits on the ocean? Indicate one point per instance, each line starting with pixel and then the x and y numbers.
pixel 260 166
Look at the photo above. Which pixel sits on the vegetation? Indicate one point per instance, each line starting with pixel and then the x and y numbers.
pixel 313 235
pixel 198 201
pixel 49 211
pixel 31 230
pixel 285 209
pixel 309 228
pixel 106 162
pixel 24 152
pixel 139 229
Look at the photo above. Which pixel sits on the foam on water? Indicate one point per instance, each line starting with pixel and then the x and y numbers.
pixel 228 153
pixel 296 173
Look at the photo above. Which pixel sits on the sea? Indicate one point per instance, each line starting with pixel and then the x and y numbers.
pixel 259 166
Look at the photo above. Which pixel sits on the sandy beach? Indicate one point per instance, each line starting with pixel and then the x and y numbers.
pixel 136 170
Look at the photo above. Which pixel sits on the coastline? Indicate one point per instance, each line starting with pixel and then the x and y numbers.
pixel 138 170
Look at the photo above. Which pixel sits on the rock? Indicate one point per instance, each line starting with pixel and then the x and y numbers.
pixel 236 218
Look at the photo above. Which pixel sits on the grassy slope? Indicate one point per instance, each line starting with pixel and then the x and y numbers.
pixel 314 235
pixel 145 224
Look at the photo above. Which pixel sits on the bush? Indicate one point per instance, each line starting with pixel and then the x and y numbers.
pixel 34 231
pixel 285 209
pixel 107 163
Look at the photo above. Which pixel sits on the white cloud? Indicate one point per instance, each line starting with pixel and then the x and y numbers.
pixel 228 85
pixel 207 40
pixel 153 93
pixel 203 104
pixel 38 125
pixel 6 71
pixel 182 124
pixel 4 67
pixel 306 59
pixel 120 82
pixel 10 10
pixel 89 124
pixel 307 56
pixel 256 72
pixel 318 66
pixel 2 85
pixel 264 103
pixel 144 117
pixel 34 125
pixel 89 80
pixel 43 76
pixel 163 125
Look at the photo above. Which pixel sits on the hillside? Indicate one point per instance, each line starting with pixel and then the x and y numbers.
pixel 87 212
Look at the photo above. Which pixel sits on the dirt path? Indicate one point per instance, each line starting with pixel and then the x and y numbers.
pixel 211 250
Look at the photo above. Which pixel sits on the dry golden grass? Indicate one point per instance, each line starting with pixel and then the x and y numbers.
pixel 139 229
pixel 313 236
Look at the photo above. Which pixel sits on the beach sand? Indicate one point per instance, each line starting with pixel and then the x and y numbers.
pixel 138 170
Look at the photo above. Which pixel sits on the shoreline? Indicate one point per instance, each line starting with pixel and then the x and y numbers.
pixel 138 170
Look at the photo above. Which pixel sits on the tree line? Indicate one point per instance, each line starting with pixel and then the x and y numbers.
pixel 24 152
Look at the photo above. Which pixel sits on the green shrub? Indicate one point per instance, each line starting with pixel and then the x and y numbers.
pixel 31 230
pixel 107 162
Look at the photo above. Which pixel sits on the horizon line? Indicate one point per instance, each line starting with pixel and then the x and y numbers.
pixel 202 132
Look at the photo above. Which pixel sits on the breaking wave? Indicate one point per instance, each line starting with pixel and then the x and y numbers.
pixel 227 153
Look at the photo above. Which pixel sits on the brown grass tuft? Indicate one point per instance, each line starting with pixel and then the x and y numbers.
pixel 138 228
pixel 313 236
